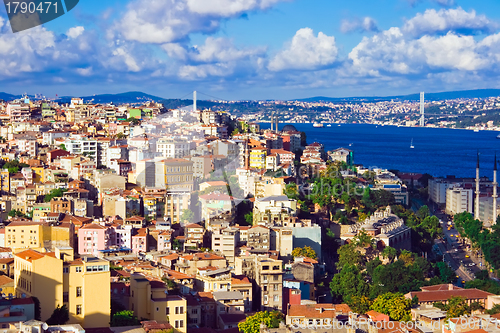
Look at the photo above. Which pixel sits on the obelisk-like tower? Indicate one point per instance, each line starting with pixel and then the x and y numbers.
pixel 476 210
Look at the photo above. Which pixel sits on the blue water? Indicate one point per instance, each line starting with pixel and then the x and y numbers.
pixel 438 151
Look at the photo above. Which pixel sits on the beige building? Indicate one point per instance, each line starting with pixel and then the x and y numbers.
pixel 458 200
pixel 150 299
pixel 56 278
pixel 225 241
pixel 269 283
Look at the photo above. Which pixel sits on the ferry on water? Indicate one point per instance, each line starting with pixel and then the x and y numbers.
pixel 317 125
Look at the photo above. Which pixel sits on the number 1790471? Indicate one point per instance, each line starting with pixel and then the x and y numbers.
pixel 24 7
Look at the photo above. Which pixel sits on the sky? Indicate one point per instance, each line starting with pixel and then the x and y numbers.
pixel 256 49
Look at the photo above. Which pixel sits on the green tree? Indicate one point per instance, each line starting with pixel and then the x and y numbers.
pixel 249 218
pixel 291 191
pixel 187 215
pixel 176 244
pixel 63 146
pixel 124 318
pixel 252 323
pixel 305 251
pixel 120 136
pixel 133 121
pixel 389 253
pixel 348 283
pixel 382 198
pixel 54 194
pixel 395 305
pixel 360 304
pixel 348 254
pixel 446 274
pixel 456 307
pixel 494 310
pixel 60 316
pixel 14 166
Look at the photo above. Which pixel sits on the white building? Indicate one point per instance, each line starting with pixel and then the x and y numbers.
pixel 173 147
pixel 225 241
pixel 437 190
pixel 486 210
pixel 458 200
pixel 82 146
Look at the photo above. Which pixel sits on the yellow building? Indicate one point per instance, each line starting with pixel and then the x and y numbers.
pixel 39 173
pixel 5 181
pixel 20 235
pixel 149 299
pixel 56 278
pixel 258 158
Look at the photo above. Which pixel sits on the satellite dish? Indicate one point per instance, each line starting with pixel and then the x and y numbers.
pixel 45 326
pixel 23 295
pixel 166 292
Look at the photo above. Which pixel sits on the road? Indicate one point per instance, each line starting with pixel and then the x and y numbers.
pixel 456 254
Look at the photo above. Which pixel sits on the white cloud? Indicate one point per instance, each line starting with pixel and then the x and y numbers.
pixel 167 21
pixel 26 51
pixel 222 50
pixel 85 71
pixel 367 24
pixel 75 32
pixel 392 52
pixel 228 8
pixel 306 52
pixel 444 20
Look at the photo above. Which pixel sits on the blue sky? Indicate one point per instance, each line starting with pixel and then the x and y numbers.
pixel 256 49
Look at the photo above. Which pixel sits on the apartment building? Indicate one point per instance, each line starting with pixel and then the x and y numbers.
pixel 150 300
pixel 269 283
pixel 56 278
pixel 458 200
pixel 225 241
pixel 173 147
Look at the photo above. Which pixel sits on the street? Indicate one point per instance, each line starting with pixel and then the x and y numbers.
pixel 459 256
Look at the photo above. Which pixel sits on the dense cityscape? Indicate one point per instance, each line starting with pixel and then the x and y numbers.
pixel 125 217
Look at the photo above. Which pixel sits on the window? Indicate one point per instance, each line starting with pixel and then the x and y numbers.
pixel 194 311
pixel 276 287
pixel 167 310
pixel 65 269
pixel 276 278
pixel 65 297
pixel 79 309
pixel 276 298
pixel 181 323
pixel 78 291
pixel 78 269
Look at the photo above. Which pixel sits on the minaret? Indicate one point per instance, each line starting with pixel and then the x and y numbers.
pixel 495 196
pixel 272 122
pixel 476 210
pixel 277 123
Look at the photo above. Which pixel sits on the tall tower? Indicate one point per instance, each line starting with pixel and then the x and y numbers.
pixel 495 196
pixel 422 110
pixel 277 123
pixel 194 101
pixel 476 210
pixel 272 122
